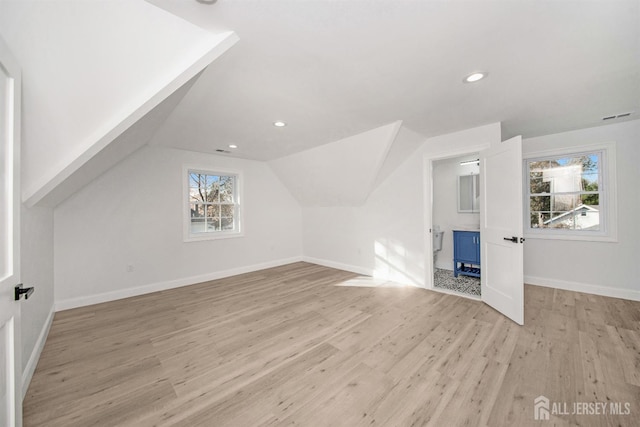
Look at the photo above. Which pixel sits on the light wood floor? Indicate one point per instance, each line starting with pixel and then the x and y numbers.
pixel 290 346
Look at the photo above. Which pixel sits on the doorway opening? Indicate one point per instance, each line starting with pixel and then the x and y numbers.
pixel 455 224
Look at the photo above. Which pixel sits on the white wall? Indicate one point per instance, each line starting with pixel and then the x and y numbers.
pixel 36 254
pixel 445 204
pixel 386 236
pixel 133 214
pixel 599 267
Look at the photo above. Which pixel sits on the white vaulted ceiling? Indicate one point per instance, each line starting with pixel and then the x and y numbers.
pixel 334 69
pixel 327 175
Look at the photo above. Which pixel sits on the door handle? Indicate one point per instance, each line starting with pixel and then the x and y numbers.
pixel 514 239
pixel 19 291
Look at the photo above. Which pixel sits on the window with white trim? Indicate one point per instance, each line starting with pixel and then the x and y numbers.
pixel 213 204
pixel 568 195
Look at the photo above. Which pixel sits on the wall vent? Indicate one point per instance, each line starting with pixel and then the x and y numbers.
pixel 617 116
pixel 220 150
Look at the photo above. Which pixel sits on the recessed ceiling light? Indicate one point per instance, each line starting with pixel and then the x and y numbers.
pixel 233 146
pixel 279 124
pixel 475 77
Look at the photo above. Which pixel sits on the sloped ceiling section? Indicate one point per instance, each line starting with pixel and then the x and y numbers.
pixel 341 173
pixel 91 69
pixel 406 142
pixel 133 138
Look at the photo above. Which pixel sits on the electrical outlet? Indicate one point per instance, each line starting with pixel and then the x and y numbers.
pixel 129 268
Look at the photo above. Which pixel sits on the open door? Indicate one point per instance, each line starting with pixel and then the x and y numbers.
pixel 501 228
pixel 10 361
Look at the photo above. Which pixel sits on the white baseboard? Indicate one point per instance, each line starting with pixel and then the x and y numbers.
pixel 27 372
pixel 67 304
pixel 444 265
pixel 338 265
pixel 606 291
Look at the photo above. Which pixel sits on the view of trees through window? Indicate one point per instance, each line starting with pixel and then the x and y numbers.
pixel 565 192
pixel 212 202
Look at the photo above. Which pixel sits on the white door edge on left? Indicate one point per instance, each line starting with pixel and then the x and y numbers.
pixel 10 321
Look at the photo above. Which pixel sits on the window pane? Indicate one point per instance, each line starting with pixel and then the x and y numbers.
pixel 564 202
pixel 573 184
pixel 197 195
pixel 211 202
pixel 587 219
pixel 564 175
pixel 592 200
pixel 196 180
pixel 197 211
pixel 211 179
pixel 590 163
pixel 540 203
pixel 213 191
pixel 538 166
pixel 226 189
pixel 538 219
pixel 213 211
pixel 227 210
pixel 537 184
pixel 198 225
pixel 213 224
pixel 589 182
pixel 227 223
pixel 560 219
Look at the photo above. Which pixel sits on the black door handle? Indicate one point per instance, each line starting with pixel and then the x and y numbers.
pixel 19 291
pixel 513 239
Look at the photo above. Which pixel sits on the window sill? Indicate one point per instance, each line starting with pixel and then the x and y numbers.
pixel 212 236
pixel 578 238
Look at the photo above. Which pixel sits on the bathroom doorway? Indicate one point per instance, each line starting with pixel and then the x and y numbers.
pixel 455 219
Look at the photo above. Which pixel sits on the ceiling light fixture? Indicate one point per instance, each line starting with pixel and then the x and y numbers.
pixel 233 146
pixel 279 124
pixel 470 162
pixel 479 75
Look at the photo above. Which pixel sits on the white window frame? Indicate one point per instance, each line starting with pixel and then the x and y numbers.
pixel 186 209
pixel 608 198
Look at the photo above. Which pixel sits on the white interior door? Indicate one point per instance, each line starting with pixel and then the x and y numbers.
pixel 502 240
pixel 10 361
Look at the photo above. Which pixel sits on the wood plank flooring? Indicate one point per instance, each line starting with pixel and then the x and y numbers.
pixel 296 345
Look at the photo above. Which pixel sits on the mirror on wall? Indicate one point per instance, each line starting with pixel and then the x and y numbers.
pixel 469 193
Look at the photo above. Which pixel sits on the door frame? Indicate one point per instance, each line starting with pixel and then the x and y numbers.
pixel 14 363
pixel 427 180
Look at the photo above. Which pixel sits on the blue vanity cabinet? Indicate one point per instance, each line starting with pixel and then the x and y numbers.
pixel 466 253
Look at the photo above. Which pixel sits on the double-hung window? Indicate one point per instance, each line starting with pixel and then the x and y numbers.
pixel 569 195
pixel 213 204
